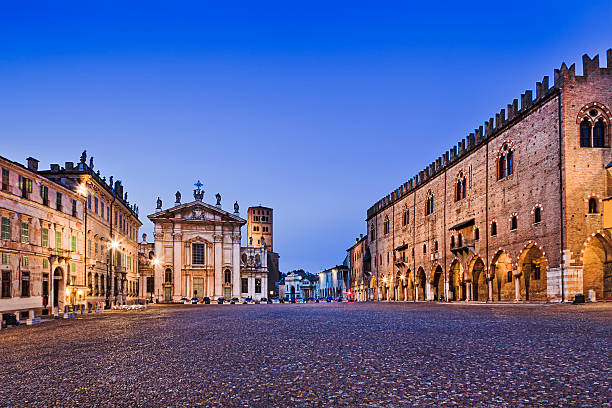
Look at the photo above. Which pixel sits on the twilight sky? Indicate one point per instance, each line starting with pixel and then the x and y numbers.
pixel 316 110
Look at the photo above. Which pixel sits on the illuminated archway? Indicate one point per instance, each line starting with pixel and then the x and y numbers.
pixel 597 271
pixel 532 266
pixel 503 279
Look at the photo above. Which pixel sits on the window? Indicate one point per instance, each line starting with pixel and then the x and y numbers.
pixel 536 272
pixel 228 276
pixel 96 249
pixel 198 252
pixel 459 241
pixel 386 225
pixel 25 261
pixel 424 248
pixel 435 246
pixel 6 258
pixel 452 241
pixel 45 263
pixel 513 223
pixel 73 246
pixel 5 180
pixel 44 194
pixel 405 217
pixel 265 229
pixel 593 123
pixel 537 215
pixel 96 205
pixel 25 233
pixel 168 276
pixel 244 284
pixel 372 233
pixel 476 234
pixel 429 203
pixel 45 238
pixel 493 228
pixel 74 207
pixel 460 187
pixel 101 208
pixel 257 285
pixel 89 201
pixel 505 162
pixel 256 228
pixel 25 186
pixel 58 241
pixel 25 284
pixel 58 201
pixel 6 229
pixel 6 284
pixel 592 205
pixel 509 278
pixel 88 246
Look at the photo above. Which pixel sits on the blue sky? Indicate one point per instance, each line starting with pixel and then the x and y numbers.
pixel 315 109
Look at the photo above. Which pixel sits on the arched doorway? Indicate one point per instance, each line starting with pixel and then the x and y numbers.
pixel 456 285
pixel 597 270
pixel 480 289
pixel 503 280
pixel 409 285
pixel 58 287
pixel 438 283
pixel 292 291
pixel 421 282
pixel 532 265
pixel 227 284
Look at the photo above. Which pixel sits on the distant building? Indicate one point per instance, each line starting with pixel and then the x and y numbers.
pixel 299 285
pixel 41 244
pixel 260 233
pixel 360 271
pixel 146 263
pixel 334 282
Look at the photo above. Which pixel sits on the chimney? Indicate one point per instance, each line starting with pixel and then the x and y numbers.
pixel 32 164
pixel 69 165
pixel 54 167
pixel 144 238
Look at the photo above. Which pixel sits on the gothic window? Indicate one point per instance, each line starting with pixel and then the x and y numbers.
pixel 228 276
pixel 505 162
pixel 386 225
pixel 452 241
pixel 405 217
pixel 424 248
pixel 429 204
pixel 372 233
pixel 592 205
pixel 168 276
pixel 513 223
pixel 476 234
pixel 593 126
pixel 537 215
pixel 244 284
pixel 493 228
pixel 460 187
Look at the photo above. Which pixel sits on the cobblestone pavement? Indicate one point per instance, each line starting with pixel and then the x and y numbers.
pixel 314 355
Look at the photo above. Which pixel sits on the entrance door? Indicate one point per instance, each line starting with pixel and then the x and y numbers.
pixel 168 294
pixel 198 287
pixel 228 293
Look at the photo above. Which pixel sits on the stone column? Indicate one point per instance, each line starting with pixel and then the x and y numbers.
pixel 517 285
pixel 490 286
pixel 179 288
pixel 158 270
pixel 218 240
pixel 468 288
pixel 236 286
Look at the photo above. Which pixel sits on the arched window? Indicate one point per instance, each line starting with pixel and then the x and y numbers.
pixel 599 133
pixel 459 240
pixel 513 223
pixel 592 205
pixel 452 241
pixel 594 120
pixel 386 225
pixel 585 133
pixel 168 276
pixel 424 248
pixel 476 234
pixel 505 162
pixel 460 187
pixel 537 215
pixel 493 228
pixel 228 276
pixel 429 203
pixel 405 217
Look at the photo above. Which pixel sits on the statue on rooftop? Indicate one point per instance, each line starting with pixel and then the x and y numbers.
pixel 178 197
pixel 91 162
pixel 236 208
pixel 159 203
pixel 218 197
pixel 83 156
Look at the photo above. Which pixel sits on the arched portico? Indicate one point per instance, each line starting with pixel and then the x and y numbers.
pixel 373 289
pixel 58 293
pixel 479 284
pixel 532 267
pixel 503 277
pixel 421 282
pixel 597 268
pixel 456 284
pixel 437 283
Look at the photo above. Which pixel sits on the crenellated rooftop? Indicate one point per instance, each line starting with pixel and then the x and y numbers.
pixel 493 126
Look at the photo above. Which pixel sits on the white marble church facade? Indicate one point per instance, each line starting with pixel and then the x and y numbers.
pixel 197 250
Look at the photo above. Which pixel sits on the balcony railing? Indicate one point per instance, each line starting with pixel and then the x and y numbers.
pixel 464 245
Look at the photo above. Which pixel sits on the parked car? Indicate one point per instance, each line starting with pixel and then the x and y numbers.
pixel 220 301
pixel 234 301
pixel 310 300
pixel 246 301
pixel 194 300
pixel 339 299
pixel 275 300
pixel 206 300
pixel 185 301
pixel 329 299
pixel 264 300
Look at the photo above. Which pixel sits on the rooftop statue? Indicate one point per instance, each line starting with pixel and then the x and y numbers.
pixel 159 203
pixel 218 197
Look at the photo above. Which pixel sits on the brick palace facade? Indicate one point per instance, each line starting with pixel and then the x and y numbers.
pixel 514 212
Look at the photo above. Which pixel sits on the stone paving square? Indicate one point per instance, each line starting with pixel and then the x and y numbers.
pixel 315 355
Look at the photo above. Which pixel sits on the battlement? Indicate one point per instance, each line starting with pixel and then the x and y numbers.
pixel 493 126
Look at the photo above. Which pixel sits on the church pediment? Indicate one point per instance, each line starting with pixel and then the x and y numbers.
pixel 197 211
pixel 197 240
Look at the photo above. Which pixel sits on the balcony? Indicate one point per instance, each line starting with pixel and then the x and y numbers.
pixel 464 246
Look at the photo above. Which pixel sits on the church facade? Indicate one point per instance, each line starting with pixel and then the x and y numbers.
pixel 198 253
